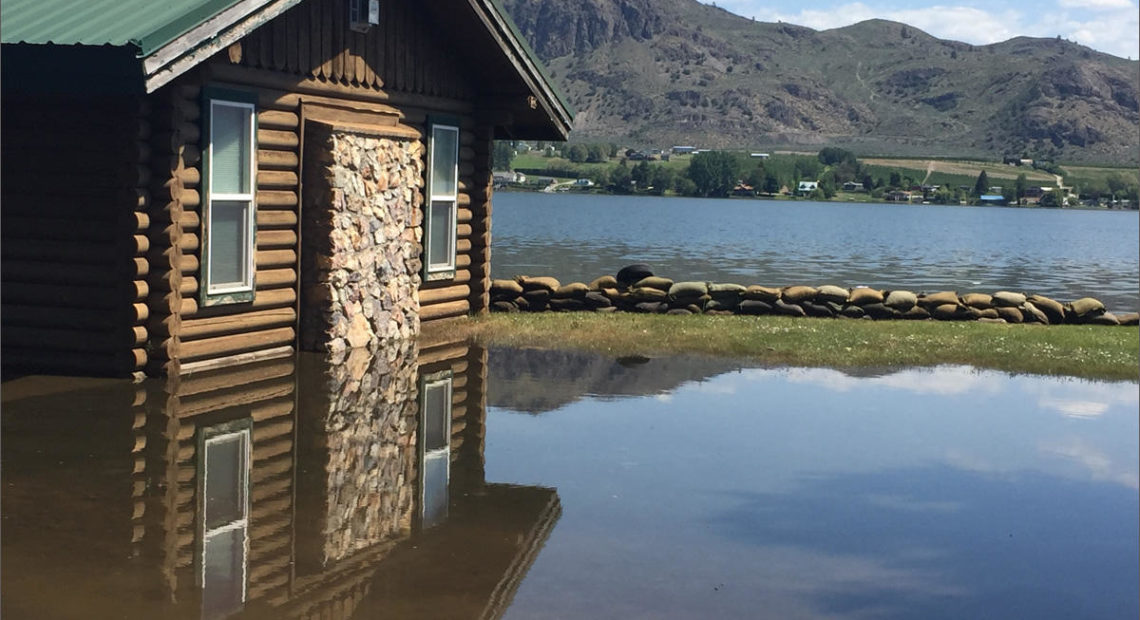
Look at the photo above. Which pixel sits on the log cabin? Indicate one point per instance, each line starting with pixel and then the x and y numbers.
pixel 190 185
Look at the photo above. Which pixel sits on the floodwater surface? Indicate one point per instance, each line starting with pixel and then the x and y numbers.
pixel 453 482
pixel 1066 254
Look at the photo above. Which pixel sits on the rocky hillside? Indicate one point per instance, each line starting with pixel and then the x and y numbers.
pixel 663 72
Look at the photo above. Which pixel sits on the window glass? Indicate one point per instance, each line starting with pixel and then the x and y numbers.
pixel 444 161
pixel 437 410
pixel 441 232
pixel 229 141
pixel 435 480
pixel 229 244
pixel 225 480
pixel 223 572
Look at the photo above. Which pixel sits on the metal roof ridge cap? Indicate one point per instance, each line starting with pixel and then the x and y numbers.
pixel 153 41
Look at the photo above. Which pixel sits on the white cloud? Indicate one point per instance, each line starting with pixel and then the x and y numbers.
pixel 1111 26
pixel 941 380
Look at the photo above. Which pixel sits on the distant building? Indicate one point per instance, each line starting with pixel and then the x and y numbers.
pixel 759 155
pixel 583 183
pixel 899 195
pixel 993 199
pixel 852 186
pixel 684 150
pixel 807 187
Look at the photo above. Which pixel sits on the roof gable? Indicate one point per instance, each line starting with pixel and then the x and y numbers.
pixel 174 36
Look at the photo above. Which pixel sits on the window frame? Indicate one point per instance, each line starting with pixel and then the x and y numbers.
pixel 210 293
pixel 440 271
pixel 241 429
pixel 444 378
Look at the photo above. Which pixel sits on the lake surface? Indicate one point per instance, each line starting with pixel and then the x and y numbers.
pixel 1065 254
pixel 566 485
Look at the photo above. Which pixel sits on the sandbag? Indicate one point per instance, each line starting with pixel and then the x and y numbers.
pixel 1006 299
pixel 594 299
pixel 686 290
pixel 503 306
pixel 567 305
pixel 506 288
pixel 917 313
pixel 797 294
pixel 817 310
pixel 762 293
pixel 1130 318
pixel 1052 308
pixel 978 300
pixel 574 290
pixel 1030 313
pixel 900 300
pixel 754 307
pixel 678 312
pixel 632 273
pixel 662 284
pixel 831 293
pixel 533 283
pixel 783 307
pixel 651 307
pixel 863 296
pixel 1086 307
pixel 1011 315
pixel 986 319
pixel 729 305
pixel 937 299
pixel 603 283
pixel 725 287
pixel 1104 318
pixel 987 313
pixel 645 293
pixel 945 312
pixel 852 312
pixel 880 311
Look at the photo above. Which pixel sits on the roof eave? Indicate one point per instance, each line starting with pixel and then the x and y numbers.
pixel 205 39
pixel 526 62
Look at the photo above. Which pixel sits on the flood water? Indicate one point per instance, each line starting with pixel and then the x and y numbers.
pixel 446 481
pixel 1065 254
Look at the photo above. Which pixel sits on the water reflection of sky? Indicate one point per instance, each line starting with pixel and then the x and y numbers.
pixel 789 493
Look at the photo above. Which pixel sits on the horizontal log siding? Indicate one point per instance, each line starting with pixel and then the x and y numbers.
pixel 178 410
pixel 215 333
pixel 401 54
pixel 74 270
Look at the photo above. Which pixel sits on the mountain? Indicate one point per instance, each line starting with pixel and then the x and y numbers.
pixel 665 72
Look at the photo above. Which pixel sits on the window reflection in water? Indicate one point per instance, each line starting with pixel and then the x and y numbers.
pixel 224 489
pixel 435 414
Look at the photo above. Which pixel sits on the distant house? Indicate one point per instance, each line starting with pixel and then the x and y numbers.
pixel 743 189
pixel 852 186
pixel 807 187
pixel 899 196
pixel 508 177
pixel 583 183
pixel 684 150
pixel 992 199
pixel 759 155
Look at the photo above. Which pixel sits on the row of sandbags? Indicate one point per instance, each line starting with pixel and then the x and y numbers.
pixel 636 289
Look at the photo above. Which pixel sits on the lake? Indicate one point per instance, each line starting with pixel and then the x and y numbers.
pixel 449 481
pixel 1064 254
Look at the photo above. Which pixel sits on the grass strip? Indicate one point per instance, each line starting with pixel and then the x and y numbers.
pixel 1087 351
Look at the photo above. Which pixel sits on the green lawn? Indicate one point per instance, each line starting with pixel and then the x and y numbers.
pixel 1087 351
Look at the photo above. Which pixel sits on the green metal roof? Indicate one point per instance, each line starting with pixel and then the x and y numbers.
pixel 145 24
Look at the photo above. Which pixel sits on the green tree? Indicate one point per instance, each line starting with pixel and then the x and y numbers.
pixel 502 155
pixel 620 178
pixel 597 153
pixel 684 186
pixel 771 183
pixel 714 173
pixel 1019 187
pixel 661 178
pixel 640 174
pixel 1116 184
pixel 1050 199
pixel 832 155
pixel 895 180
pixel 982 185
pixel 577 153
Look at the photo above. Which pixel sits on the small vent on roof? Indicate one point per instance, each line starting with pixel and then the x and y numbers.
pixel 363 14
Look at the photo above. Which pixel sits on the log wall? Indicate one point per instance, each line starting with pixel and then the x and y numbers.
pixel 74 249
pixel 400 64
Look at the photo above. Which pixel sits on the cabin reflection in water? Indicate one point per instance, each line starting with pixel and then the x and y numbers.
pixel 296 488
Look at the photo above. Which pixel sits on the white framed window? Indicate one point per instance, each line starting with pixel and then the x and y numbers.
pixel 435 448
pixel 443 191
pixel 229 166
pixel 223 517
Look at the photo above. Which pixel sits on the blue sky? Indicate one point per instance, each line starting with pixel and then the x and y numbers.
pixel 1111 26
